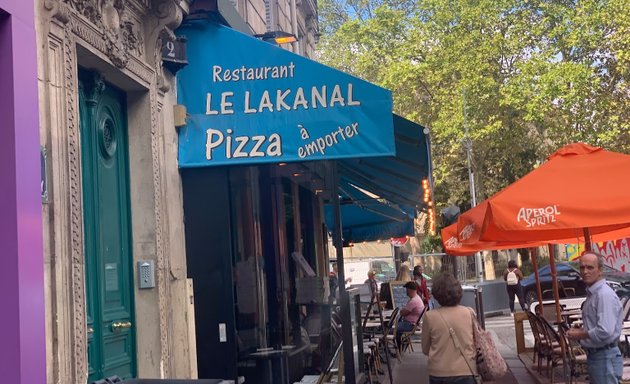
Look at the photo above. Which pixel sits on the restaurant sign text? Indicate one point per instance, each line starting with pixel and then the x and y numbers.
pixel 251 102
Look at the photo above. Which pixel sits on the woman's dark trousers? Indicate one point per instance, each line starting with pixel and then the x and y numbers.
pixel 515 290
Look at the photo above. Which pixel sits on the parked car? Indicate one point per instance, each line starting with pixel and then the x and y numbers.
pixel 384 269
pixel 570 282
pixel 357 270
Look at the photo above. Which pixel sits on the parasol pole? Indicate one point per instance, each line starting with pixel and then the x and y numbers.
pixel 538 289
pixel 554 282
pixel 587 240
pixel 556 296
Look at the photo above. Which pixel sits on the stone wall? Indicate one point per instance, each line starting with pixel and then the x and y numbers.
pixel 121 40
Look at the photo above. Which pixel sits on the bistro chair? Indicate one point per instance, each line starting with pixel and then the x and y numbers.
pixel 390 339
pixel 405 340
pixel 553 352
pixel 389 333
pixel 540 339
pixel 624 344
pixel 576 355
pixel 625 304
pixel 370 365
pixel 380 340
pixel 335 327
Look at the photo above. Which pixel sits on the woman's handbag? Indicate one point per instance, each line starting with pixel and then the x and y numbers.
pixel 455 339
pixel 490 363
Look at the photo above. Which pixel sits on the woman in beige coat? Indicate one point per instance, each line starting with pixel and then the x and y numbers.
pixel 447 363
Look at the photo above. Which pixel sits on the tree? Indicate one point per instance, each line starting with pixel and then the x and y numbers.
pixel 522 78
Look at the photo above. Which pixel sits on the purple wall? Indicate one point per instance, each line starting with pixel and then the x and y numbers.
pixel 22 323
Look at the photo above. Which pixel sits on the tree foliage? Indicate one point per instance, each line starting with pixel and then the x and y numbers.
pixel 521 77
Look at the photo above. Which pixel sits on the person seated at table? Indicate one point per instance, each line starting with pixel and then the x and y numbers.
pixel 411 312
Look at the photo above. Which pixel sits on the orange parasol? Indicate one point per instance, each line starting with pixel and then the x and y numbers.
pixel 453 246
pixel 547 204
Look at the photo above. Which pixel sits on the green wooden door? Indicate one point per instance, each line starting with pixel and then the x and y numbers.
pixel 108 258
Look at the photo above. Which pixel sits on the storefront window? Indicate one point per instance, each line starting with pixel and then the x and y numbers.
pixel 249 287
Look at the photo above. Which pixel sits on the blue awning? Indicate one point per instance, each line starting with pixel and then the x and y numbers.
pixel 365 218
pixel 380 197
pixel 251 102
pixel 395 178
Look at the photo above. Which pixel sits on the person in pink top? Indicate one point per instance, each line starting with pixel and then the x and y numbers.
pixel 411 312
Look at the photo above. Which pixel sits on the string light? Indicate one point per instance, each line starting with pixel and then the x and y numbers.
pixel 427 198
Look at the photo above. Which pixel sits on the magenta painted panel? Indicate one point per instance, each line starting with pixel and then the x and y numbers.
pixel 22 324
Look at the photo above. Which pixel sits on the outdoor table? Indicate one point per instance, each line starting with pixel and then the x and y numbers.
pixel 577 323
pixel 569 312
pixel 371 316
pixel 273 365
pixel 371 327
pixel 372 324
pixel 387 314
pixel 571 315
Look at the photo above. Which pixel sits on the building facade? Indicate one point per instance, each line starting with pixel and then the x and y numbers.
pixel 148 270
pixel 112 205
pixel 244 222
pixel 113 197
pixel 271 141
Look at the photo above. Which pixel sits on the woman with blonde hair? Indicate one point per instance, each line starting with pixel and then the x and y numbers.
pixel 404 274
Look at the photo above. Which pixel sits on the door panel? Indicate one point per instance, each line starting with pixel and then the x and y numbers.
pixel 111 345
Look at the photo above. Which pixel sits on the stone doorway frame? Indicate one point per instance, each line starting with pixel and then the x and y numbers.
pixel 122 39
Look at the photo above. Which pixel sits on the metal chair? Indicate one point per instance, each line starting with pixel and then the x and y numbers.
pixel 553 350
pixel 405 339
pixel 390 337
pixel 575 354
pixel 540 339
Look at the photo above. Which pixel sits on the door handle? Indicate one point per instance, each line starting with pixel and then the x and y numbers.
pixel 118 326
pixel 90 331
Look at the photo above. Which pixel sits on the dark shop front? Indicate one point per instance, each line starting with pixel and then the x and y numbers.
pixel 270 139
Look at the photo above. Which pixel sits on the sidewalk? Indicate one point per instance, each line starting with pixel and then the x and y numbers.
pixel 413 368
pixel 543 377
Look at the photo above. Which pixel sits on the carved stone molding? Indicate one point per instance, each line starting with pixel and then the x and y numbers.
pixel 162 284
pixel 58 10
pixel 169 16
pixel 76 208
pixel 169 13
pixel 93 88
pixel 113 28
pixel 91 35
pixel 113 22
